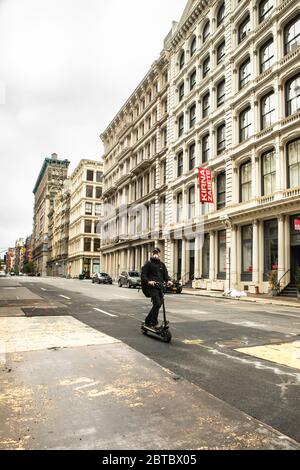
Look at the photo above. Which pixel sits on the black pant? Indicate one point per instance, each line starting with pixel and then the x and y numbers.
pixel 157 300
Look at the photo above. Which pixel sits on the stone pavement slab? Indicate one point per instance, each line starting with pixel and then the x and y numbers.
pixel 109 396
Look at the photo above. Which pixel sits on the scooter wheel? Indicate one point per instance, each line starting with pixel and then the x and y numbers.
pixel 167 336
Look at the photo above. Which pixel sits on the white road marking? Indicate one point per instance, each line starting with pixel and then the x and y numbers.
pixel 68 298
pixel 106 313
pixel 43 289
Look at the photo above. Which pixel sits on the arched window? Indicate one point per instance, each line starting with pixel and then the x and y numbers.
pixel 293 95
pixel 293 154
pixel 221 139
pixel 221 93
pixel 268 172
pixel 221 190
pixel 192 202
pixel 206 31
pixel 221 14
pixel 179 201
pixel 193 47
pixel 292 35
pixel 205 148
pixel 245 124
pixel 181 60
pixel 193 79
pixel 245 182
pixel 205 105
pixel 244 29
pixel 267 110
pixel 206 67
pixel 192 157
pixel 244 73
pixel 266 55
pixel 265 9
pixel 180 164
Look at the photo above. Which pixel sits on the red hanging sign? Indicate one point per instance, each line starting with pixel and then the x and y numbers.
pixel 205 183
pixel 297 225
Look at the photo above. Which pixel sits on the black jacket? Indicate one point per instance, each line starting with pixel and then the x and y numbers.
pixel 154 270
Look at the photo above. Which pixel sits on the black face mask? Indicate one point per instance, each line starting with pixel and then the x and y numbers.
pixel 155 260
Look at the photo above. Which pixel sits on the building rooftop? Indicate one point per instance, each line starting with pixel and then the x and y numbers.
pixel 48 162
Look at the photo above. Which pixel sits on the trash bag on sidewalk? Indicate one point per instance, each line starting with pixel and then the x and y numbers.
pixel 234 294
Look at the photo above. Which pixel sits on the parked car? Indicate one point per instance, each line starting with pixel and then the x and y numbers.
pixel 101 278
pixel 130 279
pixel 2 274
pixel 175 289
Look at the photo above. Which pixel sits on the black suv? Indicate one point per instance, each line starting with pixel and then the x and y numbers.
pixel 101 278
pixel 130 279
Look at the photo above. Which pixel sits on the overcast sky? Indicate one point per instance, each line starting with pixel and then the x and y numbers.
pixel 67 67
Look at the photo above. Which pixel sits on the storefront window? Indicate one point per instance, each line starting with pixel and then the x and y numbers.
pixel 247 253
pixel 271 247
pixel 205 257
pixel 222 254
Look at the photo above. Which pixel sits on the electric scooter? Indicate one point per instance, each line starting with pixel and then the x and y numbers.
pixel 163 332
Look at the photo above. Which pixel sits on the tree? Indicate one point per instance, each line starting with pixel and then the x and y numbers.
pixel 29 268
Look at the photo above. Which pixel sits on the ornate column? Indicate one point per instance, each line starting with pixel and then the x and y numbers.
pixel 281 246
pixel 255 271
pixel 233 256
pixel 212 269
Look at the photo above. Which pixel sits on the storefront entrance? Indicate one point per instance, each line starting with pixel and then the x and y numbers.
pixel 295 246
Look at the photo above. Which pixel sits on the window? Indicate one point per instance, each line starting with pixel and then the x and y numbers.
pixel 292 35
pixel 87 226
pixel 192 157
pixel 205 256
pixel 180 125
pixel 96 245
pixel 245 182
pixel 221 93
pixel 99 176
pixel 193 47
pixel 206 32
pixel 89 191
pixel 270 247
pixel 244 29
pixel 247 253
pixel 206 66
pixel 181 60
pixel 181 92
pixel 221 14
pixel 221 191
pixel 244 73
pixel 245 124
pixel 193 80
pixel 221 139
pixel 268 162
pixel 179 207
pixel 222 254
pixel 205 148
pixel 98 192
pixel 267 106
pixel 206 105
pixel 265 9
pixel 267 55
pixel 192 115
pixel 293 96
pixel 88 208
pixel 90 175
pixel 87 244
pixel 293 151
pixel 220 52
pixel 98 209
pixel 180 164
pixel 192 202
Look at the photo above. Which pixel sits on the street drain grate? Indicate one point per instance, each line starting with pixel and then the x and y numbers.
pixel 45 312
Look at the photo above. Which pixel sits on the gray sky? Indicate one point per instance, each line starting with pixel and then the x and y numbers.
pixel 67 67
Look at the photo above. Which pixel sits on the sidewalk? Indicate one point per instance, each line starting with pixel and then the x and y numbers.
pixel 261 298
pixel 65 385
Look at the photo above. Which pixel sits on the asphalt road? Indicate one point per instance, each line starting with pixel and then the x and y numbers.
pixel 206 333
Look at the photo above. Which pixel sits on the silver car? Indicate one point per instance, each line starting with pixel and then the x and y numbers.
pixel 130 279
pixel 2 274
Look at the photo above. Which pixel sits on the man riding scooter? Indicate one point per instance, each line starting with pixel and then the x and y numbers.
pixel 154 273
